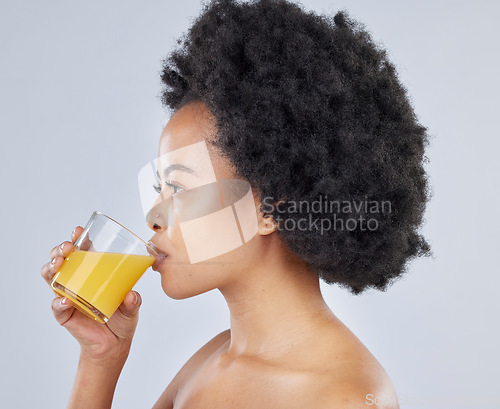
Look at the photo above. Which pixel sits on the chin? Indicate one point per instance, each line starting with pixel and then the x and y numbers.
pixel 180 290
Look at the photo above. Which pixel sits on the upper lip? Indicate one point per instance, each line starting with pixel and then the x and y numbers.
pixel 159 253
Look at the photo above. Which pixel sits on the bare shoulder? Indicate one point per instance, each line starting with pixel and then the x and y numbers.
pixel 348 396
pixel 350 376
pixel 346 392
pixel 363 384
pixel 360 390
pixel 165 401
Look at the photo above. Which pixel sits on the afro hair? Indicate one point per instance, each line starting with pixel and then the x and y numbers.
pixel 309 108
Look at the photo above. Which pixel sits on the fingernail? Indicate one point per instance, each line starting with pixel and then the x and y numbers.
pixel 61 246
pixel 64 301
pixel 136 298
pixel 53 261
pixel 73 232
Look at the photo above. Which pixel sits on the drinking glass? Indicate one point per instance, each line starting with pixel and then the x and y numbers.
pixel 106 262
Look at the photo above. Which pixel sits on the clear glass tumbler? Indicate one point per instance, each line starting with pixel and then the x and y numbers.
pixel 105 264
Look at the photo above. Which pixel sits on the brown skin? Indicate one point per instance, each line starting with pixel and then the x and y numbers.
pixel 285 348
pixel 104 348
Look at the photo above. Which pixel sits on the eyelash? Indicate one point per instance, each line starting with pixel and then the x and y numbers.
pixel 157 188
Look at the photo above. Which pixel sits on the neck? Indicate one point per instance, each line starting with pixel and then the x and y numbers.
pixel 276 305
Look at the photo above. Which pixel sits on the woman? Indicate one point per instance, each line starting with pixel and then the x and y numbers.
pixel 301 107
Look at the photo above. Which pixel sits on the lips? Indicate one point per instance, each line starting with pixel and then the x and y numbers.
pixel 160 256
pixel 158 262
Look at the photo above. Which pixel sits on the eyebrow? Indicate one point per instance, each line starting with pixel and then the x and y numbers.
pixel 176 166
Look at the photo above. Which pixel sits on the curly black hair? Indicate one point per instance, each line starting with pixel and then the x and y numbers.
pixel 308 107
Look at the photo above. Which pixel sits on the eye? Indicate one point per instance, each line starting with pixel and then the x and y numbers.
pixel 176 189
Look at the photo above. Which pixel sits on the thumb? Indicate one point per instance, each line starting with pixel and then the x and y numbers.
pixel 130 305
pixel 123 322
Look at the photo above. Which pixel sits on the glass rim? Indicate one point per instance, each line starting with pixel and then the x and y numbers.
pixel 96 212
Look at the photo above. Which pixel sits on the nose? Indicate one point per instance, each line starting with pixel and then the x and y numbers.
pixel 155 220
pixel 161 214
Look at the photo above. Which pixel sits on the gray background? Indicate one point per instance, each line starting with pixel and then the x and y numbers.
pixel 80 116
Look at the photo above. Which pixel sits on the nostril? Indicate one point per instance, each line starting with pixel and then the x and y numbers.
pixel 156 226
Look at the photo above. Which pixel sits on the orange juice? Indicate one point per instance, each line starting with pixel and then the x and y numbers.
pixel 98 282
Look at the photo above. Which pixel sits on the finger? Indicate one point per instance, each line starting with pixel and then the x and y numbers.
pixel 62 250
pixel 76 233
pixel 54 252
pixel 63 309
pixel 86 243
pixel 49 269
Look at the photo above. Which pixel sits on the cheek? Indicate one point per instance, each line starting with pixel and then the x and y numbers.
pixel 179 254
pixel 181 279
pixel 211 220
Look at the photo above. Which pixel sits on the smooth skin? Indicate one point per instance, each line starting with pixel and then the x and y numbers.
pixel 285 347
pixel 104 348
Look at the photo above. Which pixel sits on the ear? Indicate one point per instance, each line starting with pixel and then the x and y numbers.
pixel 266 223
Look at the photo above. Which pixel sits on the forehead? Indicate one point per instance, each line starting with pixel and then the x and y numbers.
pixel 189 125
pixel 186 140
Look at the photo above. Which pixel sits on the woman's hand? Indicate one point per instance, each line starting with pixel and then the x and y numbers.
pixel 108 341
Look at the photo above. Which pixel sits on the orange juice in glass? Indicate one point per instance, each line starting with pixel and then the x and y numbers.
pixel 105 264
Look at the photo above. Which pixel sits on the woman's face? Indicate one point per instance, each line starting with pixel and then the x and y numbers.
pixel 207 241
